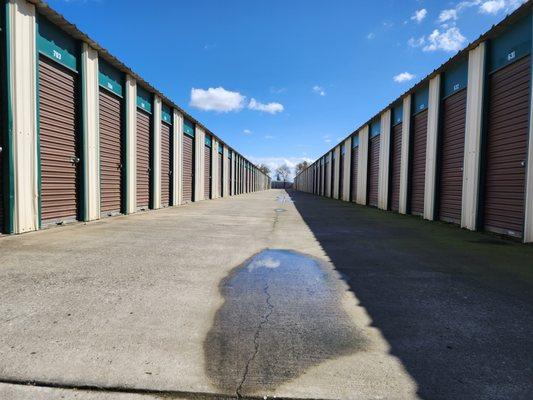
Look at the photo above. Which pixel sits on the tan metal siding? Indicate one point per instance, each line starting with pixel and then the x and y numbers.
pixel 207 172
pixel 59 124
pixel 452 157
pixel 506 150
pixel 373 171
pixel 396 160
pixel 188 169
pixel 166 165
pixel 220 173
pixel 143 160
pixel 355 160
pixel 110 152
pixel 418 163
pixel 341 175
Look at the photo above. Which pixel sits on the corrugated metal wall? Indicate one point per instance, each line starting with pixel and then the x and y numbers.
pixel 166 164
pixel 452 156
pixel 143 160
pixel 373 171
pixel 207 172
pixel 355 160
pixel 110 152
pixel 395 165
pixel 418 162
pixel 59 134
pixel 506 148
pixel 188 169
pixel 221 174
pixel 341 174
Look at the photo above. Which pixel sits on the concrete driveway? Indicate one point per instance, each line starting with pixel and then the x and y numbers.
pixel 257 296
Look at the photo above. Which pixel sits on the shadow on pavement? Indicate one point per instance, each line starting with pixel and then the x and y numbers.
pixel 454 306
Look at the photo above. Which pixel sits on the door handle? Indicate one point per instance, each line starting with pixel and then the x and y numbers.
pixel 74 160
pixel 119 166
pixel 523 163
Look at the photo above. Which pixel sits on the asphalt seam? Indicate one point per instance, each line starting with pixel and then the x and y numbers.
pixel 263 322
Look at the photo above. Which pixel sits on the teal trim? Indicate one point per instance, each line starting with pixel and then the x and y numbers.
pixel 166 114
pixel 397 113
pixel 355 141
pixel 511 45
pixel 455 79
pixel 420 100
pixel 144 100
pixel 208 141
pixel 220 148
pixel 56 44
pixel 375 128
pixel 7 110
pixel 188 127
pixel 109 78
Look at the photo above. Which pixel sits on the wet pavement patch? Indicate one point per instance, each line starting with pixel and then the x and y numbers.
pixel 282 314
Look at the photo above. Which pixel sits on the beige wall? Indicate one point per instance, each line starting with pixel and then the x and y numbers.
pixel 362 166
pixel 156 159
pixel 336 173
pixel 384 156
pixel 131 144
pixel 404 162
pixel 432 141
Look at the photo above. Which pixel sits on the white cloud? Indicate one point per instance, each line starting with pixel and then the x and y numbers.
pixel 413 42
pixel 271 108
pixel 247 131
pixel 319 90
pixel 403 77
pixel 448 15
pixel 275 162
pixel 371 36
pixel 419 15
pixel 492 6
pixel 450 39
pixel 216 99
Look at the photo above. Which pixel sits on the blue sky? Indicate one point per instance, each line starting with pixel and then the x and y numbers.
pixel 283 80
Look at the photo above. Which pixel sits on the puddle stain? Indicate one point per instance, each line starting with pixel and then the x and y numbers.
pixel 282 315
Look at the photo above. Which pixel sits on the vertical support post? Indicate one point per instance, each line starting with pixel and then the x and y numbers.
pixel 473 131
pixel 22 136
pixel 336 174
pixel 384 158
pixel 430 186
pixel 177 157
pixel 131 145
pixel 404 162
pixel 91 134
pixel 347 169
pixel 329 165
pixel 199 164
pixel 362 166
pixel 214 168
pixel 156 154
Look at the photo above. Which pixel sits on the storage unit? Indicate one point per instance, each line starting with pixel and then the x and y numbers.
pixel 229 176
pixel 3 170
pixel 507 130
pixel 208 160
pixel 418 151
pixel 59 124
pixel 144 128
pixel 166 156
pixel 355 163
pixel 452 143
pixel 395 156
pixel 373 162
pixel 188 162
pixel 332 175
pixel 221 173
pixel 341 170
pixel 111 125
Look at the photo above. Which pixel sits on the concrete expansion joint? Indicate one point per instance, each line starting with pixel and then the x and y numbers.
pixel 264 321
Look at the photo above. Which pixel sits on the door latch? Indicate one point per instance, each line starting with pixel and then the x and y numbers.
pixel 523 163
pixel 74 160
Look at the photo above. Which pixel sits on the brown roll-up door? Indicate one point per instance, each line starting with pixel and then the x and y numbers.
pixel 373 171
pixel 506 148
pixel 341 175
pixel 228 177
pixel 143 160
pixel 2 180
pixel 207 172
pixel 396 160
pixel 59 150
pixel 355 161
pixel 418 163
pixel 187 177
pixel 110 152
pixel 166 164
pixel 220 173
pixel 451 157
pixel 332 178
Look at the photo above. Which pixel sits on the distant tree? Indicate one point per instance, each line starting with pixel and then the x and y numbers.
pixel 300 167
pixel 283 172
pixel 264 168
